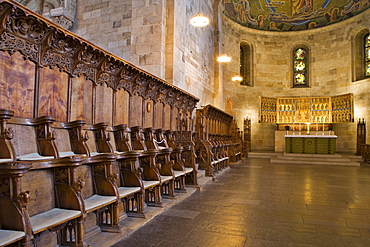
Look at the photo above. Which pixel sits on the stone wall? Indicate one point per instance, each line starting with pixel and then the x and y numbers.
pixel 106 24
pixel 156 36
pixel 331 73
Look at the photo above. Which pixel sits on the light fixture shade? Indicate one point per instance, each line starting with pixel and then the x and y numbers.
pixel 199 21
pixel 237 78
pixel 224 58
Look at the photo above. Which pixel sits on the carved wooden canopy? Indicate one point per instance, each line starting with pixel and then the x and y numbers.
pixel 46 44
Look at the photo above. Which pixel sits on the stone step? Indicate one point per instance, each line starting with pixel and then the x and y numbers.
pixel 296 155
pixel 262 155
pixel 314 159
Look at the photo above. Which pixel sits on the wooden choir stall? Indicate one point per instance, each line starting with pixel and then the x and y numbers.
pixel 217 139
pixel 86 139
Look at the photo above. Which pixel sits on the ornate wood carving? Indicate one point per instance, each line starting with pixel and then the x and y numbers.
pixel 44 43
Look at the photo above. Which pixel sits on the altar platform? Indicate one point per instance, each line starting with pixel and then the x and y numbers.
pixel 280 140
pixel 316 159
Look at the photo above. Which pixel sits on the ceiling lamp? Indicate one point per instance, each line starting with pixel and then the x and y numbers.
pixel 224 58
pixel 199 21
pixel 237 78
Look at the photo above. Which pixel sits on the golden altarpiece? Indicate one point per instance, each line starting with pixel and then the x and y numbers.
pixel 289 110
pixel 301 115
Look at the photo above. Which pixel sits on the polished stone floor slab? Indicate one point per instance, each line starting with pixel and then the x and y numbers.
pixel 256 203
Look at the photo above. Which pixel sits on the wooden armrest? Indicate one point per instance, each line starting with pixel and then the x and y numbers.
pixel 127 191
pixel 97 201
pixel 178 173
pixel 51 218
pixel 9 236
pixel 148 184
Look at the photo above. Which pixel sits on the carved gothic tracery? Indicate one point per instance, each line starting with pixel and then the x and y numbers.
pixel 46 45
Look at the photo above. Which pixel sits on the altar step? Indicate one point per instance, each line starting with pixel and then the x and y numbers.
pixel 315 159
pixel 262 155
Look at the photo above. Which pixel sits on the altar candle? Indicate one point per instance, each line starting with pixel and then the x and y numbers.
pixel 323 128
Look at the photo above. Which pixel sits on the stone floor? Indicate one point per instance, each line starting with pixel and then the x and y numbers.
pixel 256 203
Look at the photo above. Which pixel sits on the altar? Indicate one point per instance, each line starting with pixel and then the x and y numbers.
pixel 310 144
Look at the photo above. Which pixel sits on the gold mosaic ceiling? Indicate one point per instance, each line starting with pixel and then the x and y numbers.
pixel 292 15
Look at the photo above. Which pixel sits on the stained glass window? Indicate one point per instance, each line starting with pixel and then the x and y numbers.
pixel 300 67
pixel 367 55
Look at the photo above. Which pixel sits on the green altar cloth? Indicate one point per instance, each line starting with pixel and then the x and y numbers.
pixel 310 144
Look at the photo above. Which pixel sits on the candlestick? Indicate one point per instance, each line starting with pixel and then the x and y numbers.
pixel 308 128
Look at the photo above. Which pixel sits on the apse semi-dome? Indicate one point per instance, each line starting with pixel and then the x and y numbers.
pixel 291 15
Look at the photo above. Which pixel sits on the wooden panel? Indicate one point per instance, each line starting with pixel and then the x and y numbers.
pixel 53 94
pixel 40 185
pixel 17 84
pixel 62 140
pixel 84 172
pixel 23 145
pixel 136 111
pixel 122 107
pixel 175 116
pixel 103 107
pixel 148 113
pixel 80 92
pixel 166 117
pixel 158 119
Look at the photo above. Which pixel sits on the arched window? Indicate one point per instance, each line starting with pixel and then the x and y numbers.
pixel 361 55
pixel 367 55
pixel 300 67
pixel 246 64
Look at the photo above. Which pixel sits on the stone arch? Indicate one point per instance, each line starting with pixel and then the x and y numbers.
pixel 246 63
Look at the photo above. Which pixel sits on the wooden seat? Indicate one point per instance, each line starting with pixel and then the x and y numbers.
pixel 51 218
pixel 14 219
pixel 133 201
pixel 8 237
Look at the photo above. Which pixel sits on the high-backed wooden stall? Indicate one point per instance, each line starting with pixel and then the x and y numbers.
pixel 53 86
pixel 216 135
